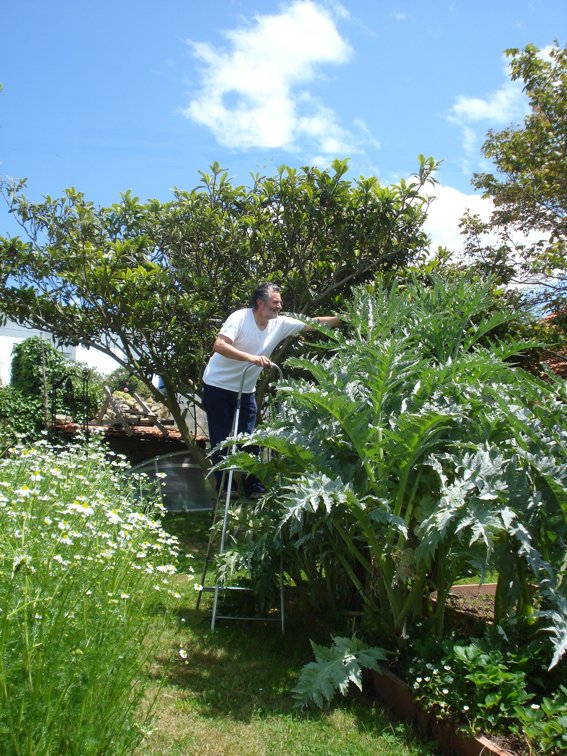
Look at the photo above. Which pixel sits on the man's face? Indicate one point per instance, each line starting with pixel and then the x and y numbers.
pixel 271 307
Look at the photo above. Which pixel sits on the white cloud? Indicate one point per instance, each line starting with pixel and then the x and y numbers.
pixel 253 91
pixel 366 135
pixel 339 9
pixel 506 105
pixel 442 224
pixel 445 212
pixel 500 107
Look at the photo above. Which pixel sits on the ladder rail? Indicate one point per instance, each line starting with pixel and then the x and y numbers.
pixel 217 588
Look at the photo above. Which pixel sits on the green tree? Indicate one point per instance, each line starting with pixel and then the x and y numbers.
pixel 529 187
pixel 150 283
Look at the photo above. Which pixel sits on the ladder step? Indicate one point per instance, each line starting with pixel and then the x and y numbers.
pixel 212 588
pixel 247 619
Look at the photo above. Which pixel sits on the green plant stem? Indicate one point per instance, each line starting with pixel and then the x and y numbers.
pixel 413 596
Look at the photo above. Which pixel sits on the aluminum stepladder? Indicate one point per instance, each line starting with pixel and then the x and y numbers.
pixel 216 589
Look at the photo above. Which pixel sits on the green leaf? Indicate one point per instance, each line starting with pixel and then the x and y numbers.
pixel 335 668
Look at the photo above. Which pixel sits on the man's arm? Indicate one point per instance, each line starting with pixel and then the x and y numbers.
pixel 329 320
pixel 224 346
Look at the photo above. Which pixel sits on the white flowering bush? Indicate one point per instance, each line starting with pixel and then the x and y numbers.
pixel 84 565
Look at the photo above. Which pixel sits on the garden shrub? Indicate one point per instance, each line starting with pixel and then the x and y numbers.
pixel 545 724
pixel 21 416
pixel 408 453
pixel 83 565
pixel 122 379
pixel 335 669
pixel 63 380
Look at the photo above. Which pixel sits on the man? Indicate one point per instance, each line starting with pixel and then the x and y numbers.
pixel 248 336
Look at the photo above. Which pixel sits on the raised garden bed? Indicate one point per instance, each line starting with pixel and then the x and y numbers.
pixel 473 600
pixel 397 696
pixel 466 603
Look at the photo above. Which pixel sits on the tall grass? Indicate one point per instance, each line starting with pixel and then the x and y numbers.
pixel 83 566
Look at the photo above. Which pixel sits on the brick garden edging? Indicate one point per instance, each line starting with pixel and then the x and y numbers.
pixel 396 694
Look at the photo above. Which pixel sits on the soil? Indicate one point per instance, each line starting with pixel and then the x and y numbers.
pixel 479 606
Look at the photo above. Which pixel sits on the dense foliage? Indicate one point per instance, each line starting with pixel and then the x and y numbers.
pixel 20 417
pixel 38 369
pixel 413 455
pixel 151 283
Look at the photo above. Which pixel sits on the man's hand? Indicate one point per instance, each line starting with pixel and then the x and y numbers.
pixel 261 361
pixel 223 345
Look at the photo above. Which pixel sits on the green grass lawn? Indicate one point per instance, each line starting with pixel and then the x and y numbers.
pixel 228 691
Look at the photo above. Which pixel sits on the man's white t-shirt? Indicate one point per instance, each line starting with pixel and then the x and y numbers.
pixel 241 328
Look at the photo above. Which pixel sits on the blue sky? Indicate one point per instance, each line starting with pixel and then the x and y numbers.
pixel 110 96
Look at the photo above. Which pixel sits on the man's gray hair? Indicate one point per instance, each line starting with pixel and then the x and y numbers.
pixel 262 292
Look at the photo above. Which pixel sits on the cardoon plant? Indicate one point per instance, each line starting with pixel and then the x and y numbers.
pixel 412 452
